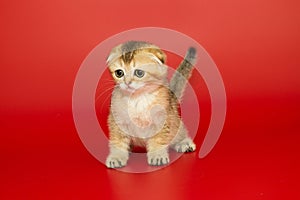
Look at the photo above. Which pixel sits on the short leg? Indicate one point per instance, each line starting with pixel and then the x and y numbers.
pixel 119 147
pixel 117 157
pixel 186 145
pixel 182 142
pixel 157 148
pixel 158 157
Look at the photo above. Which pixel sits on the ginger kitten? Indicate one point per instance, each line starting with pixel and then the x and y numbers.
pixel 144 105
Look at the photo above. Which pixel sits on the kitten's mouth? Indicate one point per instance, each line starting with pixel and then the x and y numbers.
pixel 146 88
pixel 129 89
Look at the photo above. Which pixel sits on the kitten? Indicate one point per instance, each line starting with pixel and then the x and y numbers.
pixel 144 106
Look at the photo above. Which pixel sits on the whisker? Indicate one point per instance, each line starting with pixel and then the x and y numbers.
pixel 104 102
pixel 107 81
pixel 105 85
pixel 104 92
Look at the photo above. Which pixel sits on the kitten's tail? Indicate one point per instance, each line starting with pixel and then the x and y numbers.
pixel 183 73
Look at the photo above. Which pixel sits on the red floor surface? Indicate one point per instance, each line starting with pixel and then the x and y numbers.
pixel 255 45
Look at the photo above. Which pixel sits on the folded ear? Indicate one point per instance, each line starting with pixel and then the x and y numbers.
pixel 113 55
pixel 128 50
pixel 159 54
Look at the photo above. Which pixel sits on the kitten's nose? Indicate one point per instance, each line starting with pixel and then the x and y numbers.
pixel 128 82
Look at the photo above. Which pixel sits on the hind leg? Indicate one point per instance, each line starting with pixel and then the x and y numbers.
pixel 182 142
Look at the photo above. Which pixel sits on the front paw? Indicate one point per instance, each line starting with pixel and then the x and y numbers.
pixel 187 145
pixel 116 161
pixel 158 158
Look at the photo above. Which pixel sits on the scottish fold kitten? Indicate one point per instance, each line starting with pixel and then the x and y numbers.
pixel 144 105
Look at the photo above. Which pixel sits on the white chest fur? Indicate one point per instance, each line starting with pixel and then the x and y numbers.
pixel 134 114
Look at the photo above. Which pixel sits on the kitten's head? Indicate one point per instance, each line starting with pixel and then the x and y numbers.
pixel 137 66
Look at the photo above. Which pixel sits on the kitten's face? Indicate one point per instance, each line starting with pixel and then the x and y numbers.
pixel 143 72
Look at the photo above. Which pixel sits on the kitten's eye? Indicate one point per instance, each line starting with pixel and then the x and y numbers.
pixel 139 73
pixel 119 73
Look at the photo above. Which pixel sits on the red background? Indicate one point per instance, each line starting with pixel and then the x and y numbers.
pixel 254 43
